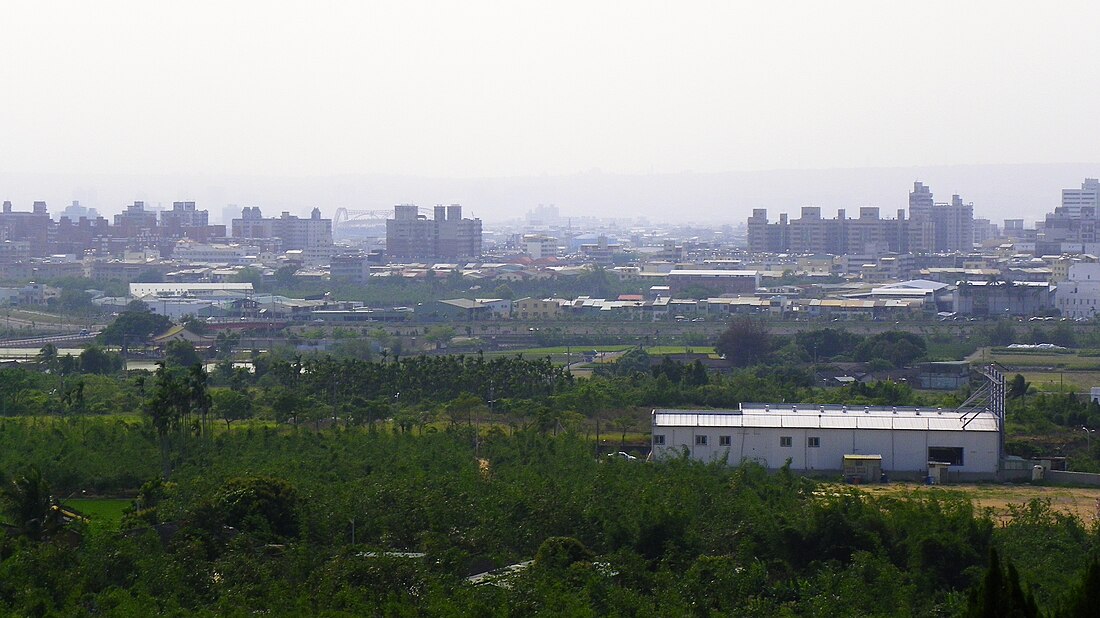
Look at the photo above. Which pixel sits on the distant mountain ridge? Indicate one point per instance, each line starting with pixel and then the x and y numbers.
pixel 1025 191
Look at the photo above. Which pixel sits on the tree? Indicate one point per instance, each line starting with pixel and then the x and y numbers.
pixel 1084 599
pixel 1017 387
pixel 192 323
pixel 696 374
pixel 439 335
pixel 826 343
pixel 631 362
pixel 898 347
pixel 224 344
pixel 1000 595
pixel 746 342
pixel 285 403
pixel 1063 335
pixel 165 408
pixel 285 275
pixel 249 275
pixel 47 359
pixel 95 359
pixel 557 553
pixel 463 407
pixel 673 370
pixel 230 405
pixel 262 506
pixel 198 396
pixel 135 325
pixel 504 291
pixel 72 399
pixel 1002 333
pixel 181 354
pixel 29 505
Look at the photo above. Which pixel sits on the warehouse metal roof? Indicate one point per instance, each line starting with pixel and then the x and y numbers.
pixel 814 416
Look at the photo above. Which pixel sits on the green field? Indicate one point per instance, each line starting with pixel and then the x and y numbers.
pixel 105 510
pixel 1060 361
pixel 1076 381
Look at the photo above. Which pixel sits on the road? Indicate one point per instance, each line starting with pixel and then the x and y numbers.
pixel 34 342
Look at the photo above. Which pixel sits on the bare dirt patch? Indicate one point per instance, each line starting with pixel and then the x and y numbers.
pixel 1082 502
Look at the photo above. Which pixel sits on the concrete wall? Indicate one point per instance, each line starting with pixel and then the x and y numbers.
pixel 1076 478
pixel 903 451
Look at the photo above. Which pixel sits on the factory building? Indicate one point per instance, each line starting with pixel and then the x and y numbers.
pixel 820 439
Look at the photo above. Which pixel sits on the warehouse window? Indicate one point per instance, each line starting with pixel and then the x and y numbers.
pixel 786 441
pixel 724 441
pixel 813 442
pixel 947 454
pixel 659 439
pixel 700 440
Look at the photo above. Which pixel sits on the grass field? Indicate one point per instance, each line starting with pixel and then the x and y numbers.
pixel 1058 361
pixel 1075 381
pixel 1048 372
pixel 100 510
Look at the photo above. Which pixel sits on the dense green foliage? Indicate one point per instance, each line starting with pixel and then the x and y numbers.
pixel 288 489
pixel 264 518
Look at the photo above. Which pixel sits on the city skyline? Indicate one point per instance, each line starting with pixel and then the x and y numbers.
pixel 997 191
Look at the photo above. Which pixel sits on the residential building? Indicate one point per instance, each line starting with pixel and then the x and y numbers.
pixel 930 227
pixel 539 246
pixel 352 267
pixel 213 253
pixel 537 309
pixel 717 281
pixel 32 227
pixel 136 220
pixel 411 236
pixel 76 212
pixel 1083 203
pixel 312 236
pixel 1079 295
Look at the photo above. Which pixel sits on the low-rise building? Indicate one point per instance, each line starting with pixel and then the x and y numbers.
pixel 718 281
pixel 817 438
pixel 537 309
pixel 1003 298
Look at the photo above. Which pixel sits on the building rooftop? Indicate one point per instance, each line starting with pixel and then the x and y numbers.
pixel 813 416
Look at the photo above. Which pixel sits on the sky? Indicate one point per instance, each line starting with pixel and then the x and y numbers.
pixel 451 91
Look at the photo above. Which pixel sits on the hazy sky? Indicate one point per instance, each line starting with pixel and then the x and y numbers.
pixel 475 90
pixel 471 89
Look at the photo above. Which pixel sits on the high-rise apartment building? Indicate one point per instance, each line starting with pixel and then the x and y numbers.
pixel 953 224
pixel 30 226
pixel 184 214
pixel 135 220
pixel 930 227
pixel 445 237
pixel 312 236
pixel 1083 203
pixel 921 231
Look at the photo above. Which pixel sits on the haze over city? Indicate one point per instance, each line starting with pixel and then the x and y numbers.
pixel 688 112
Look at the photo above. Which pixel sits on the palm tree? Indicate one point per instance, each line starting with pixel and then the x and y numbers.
pixel 30 507
pixel 47 358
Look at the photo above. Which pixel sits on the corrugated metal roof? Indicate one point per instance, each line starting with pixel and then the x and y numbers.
pixel 810 416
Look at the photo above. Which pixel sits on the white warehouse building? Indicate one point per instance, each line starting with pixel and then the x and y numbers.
pixel 817 438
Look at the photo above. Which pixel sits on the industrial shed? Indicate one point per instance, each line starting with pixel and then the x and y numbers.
pixel 817 438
